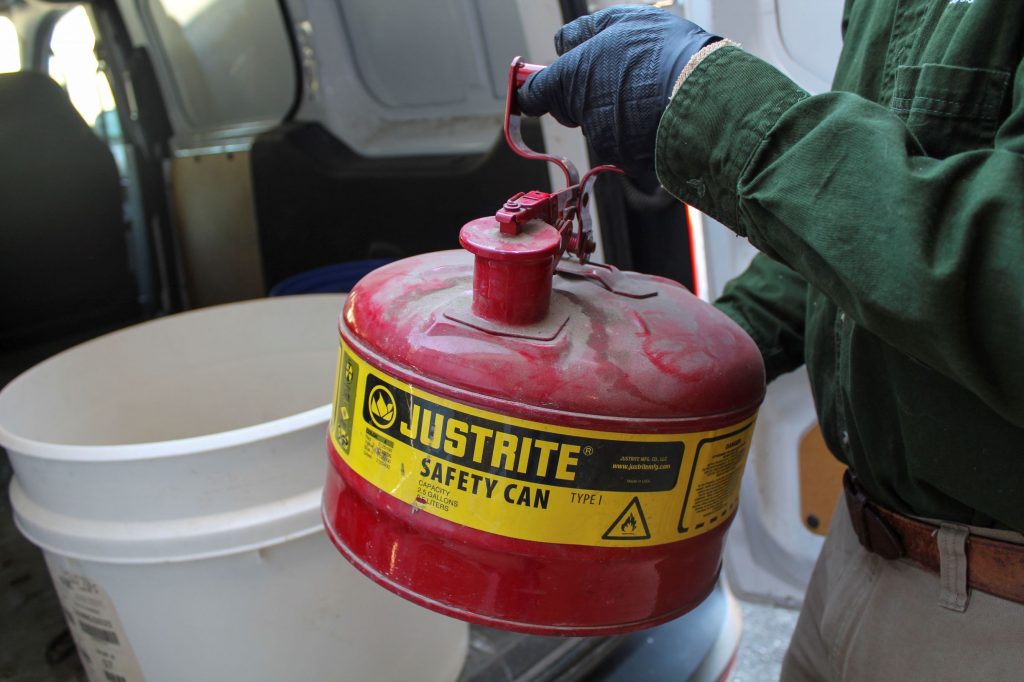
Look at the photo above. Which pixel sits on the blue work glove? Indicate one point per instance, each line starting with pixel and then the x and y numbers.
pixel 614 78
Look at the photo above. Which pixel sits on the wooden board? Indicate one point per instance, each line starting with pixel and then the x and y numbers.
pixel 217 228
pixel 821 481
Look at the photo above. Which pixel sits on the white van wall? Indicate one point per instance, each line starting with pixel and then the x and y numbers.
pixel 407 79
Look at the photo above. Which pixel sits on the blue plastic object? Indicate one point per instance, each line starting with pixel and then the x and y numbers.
pixel 329 279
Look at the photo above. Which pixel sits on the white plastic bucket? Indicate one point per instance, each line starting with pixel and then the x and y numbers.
pixel 171 473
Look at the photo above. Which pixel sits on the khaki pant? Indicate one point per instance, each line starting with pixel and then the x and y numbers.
pixel 866 618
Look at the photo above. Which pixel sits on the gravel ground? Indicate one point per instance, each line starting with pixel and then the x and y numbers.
pixel 766 631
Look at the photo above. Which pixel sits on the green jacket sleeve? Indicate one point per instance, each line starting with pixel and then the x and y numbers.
pixel 768 300
pixel 925 253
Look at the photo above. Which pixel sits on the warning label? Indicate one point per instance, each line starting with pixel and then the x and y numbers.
pixel 713 492
pixel 531 480
pixel 630 524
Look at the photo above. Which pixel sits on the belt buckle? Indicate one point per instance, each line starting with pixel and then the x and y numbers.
pixel 873 531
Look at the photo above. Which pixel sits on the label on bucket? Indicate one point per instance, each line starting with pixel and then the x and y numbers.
pixel 99 636
pixel 530 480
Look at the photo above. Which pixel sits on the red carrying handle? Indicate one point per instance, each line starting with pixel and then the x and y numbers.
pixel 580 244
pixel 518 72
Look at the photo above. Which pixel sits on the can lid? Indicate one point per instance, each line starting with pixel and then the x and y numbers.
pixel 536 240
pixel 512 272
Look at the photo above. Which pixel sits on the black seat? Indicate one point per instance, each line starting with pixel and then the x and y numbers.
pixel 64 267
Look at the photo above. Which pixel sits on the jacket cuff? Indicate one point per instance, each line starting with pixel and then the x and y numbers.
pixel 723 110
pixel 697 59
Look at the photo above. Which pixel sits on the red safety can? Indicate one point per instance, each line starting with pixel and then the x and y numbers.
pixel 534 443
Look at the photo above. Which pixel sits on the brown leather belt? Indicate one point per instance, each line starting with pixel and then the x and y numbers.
pixel 993 566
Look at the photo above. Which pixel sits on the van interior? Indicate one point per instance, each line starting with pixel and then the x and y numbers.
pixel 161 156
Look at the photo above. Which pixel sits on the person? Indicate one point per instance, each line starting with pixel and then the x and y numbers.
pixel 889 214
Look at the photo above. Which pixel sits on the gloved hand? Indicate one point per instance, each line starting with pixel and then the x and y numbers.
pixel 614 78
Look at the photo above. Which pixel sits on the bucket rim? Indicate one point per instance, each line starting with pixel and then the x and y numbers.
pixel 125 452
pixel 175 540
pixel 143 450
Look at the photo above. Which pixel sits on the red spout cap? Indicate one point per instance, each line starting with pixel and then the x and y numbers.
pixel 512 273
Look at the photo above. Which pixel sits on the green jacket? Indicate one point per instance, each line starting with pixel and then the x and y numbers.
pixel 890 214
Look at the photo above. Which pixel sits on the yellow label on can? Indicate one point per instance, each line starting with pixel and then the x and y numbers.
pixel 531 480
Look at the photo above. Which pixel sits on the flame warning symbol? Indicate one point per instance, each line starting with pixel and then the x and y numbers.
pixel 631 524
pixel 382 407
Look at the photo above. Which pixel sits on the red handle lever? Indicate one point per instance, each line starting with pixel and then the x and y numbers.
pixel 518 72
pixel 560 208
pixel 524 71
